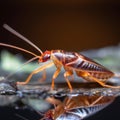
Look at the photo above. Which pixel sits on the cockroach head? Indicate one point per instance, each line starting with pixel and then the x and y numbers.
pixel 45 56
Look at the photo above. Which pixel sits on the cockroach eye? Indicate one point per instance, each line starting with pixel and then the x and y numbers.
pixel 45 56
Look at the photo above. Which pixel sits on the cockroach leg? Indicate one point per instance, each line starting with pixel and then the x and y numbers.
pixel 43 76
pixel 102 83
pixel 35 72
pixel 72 78
pixel 53 101
pixel 68 103
pixel 56 73
pixel 66 75
pixel 96 101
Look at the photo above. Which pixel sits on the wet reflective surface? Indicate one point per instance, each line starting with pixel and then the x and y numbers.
pixel 58 104
pixel 77 107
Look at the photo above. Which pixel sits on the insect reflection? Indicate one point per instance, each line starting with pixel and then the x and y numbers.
pixel 77 108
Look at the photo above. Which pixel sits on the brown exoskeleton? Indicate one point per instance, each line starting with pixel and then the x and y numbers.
pixel 71 61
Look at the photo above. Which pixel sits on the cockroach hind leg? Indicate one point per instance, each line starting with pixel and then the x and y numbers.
pixel 103 84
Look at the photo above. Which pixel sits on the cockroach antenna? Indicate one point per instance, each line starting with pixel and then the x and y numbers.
pixel 18 48
pixel 7 27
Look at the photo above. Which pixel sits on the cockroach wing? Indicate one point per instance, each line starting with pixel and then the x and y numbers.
pixel 82 112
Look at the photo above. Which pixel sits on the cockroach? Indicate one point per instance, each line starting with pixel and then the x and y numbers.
pixel 71 61
pixel 78 108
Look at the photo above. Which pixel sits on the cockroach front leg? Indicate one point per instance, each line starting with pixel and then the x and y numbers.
pixel 35 72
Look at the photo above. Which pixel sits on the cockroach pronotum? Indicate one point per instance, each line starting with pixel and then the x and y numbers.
pixel 77 108
pixel 70 61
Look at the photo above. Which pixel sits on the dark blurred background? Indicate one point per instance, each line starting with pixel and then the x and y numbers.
pixel 62 24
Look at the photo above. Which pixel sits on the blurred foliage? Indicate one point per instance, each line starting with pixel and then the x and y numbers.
pixel 11 63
